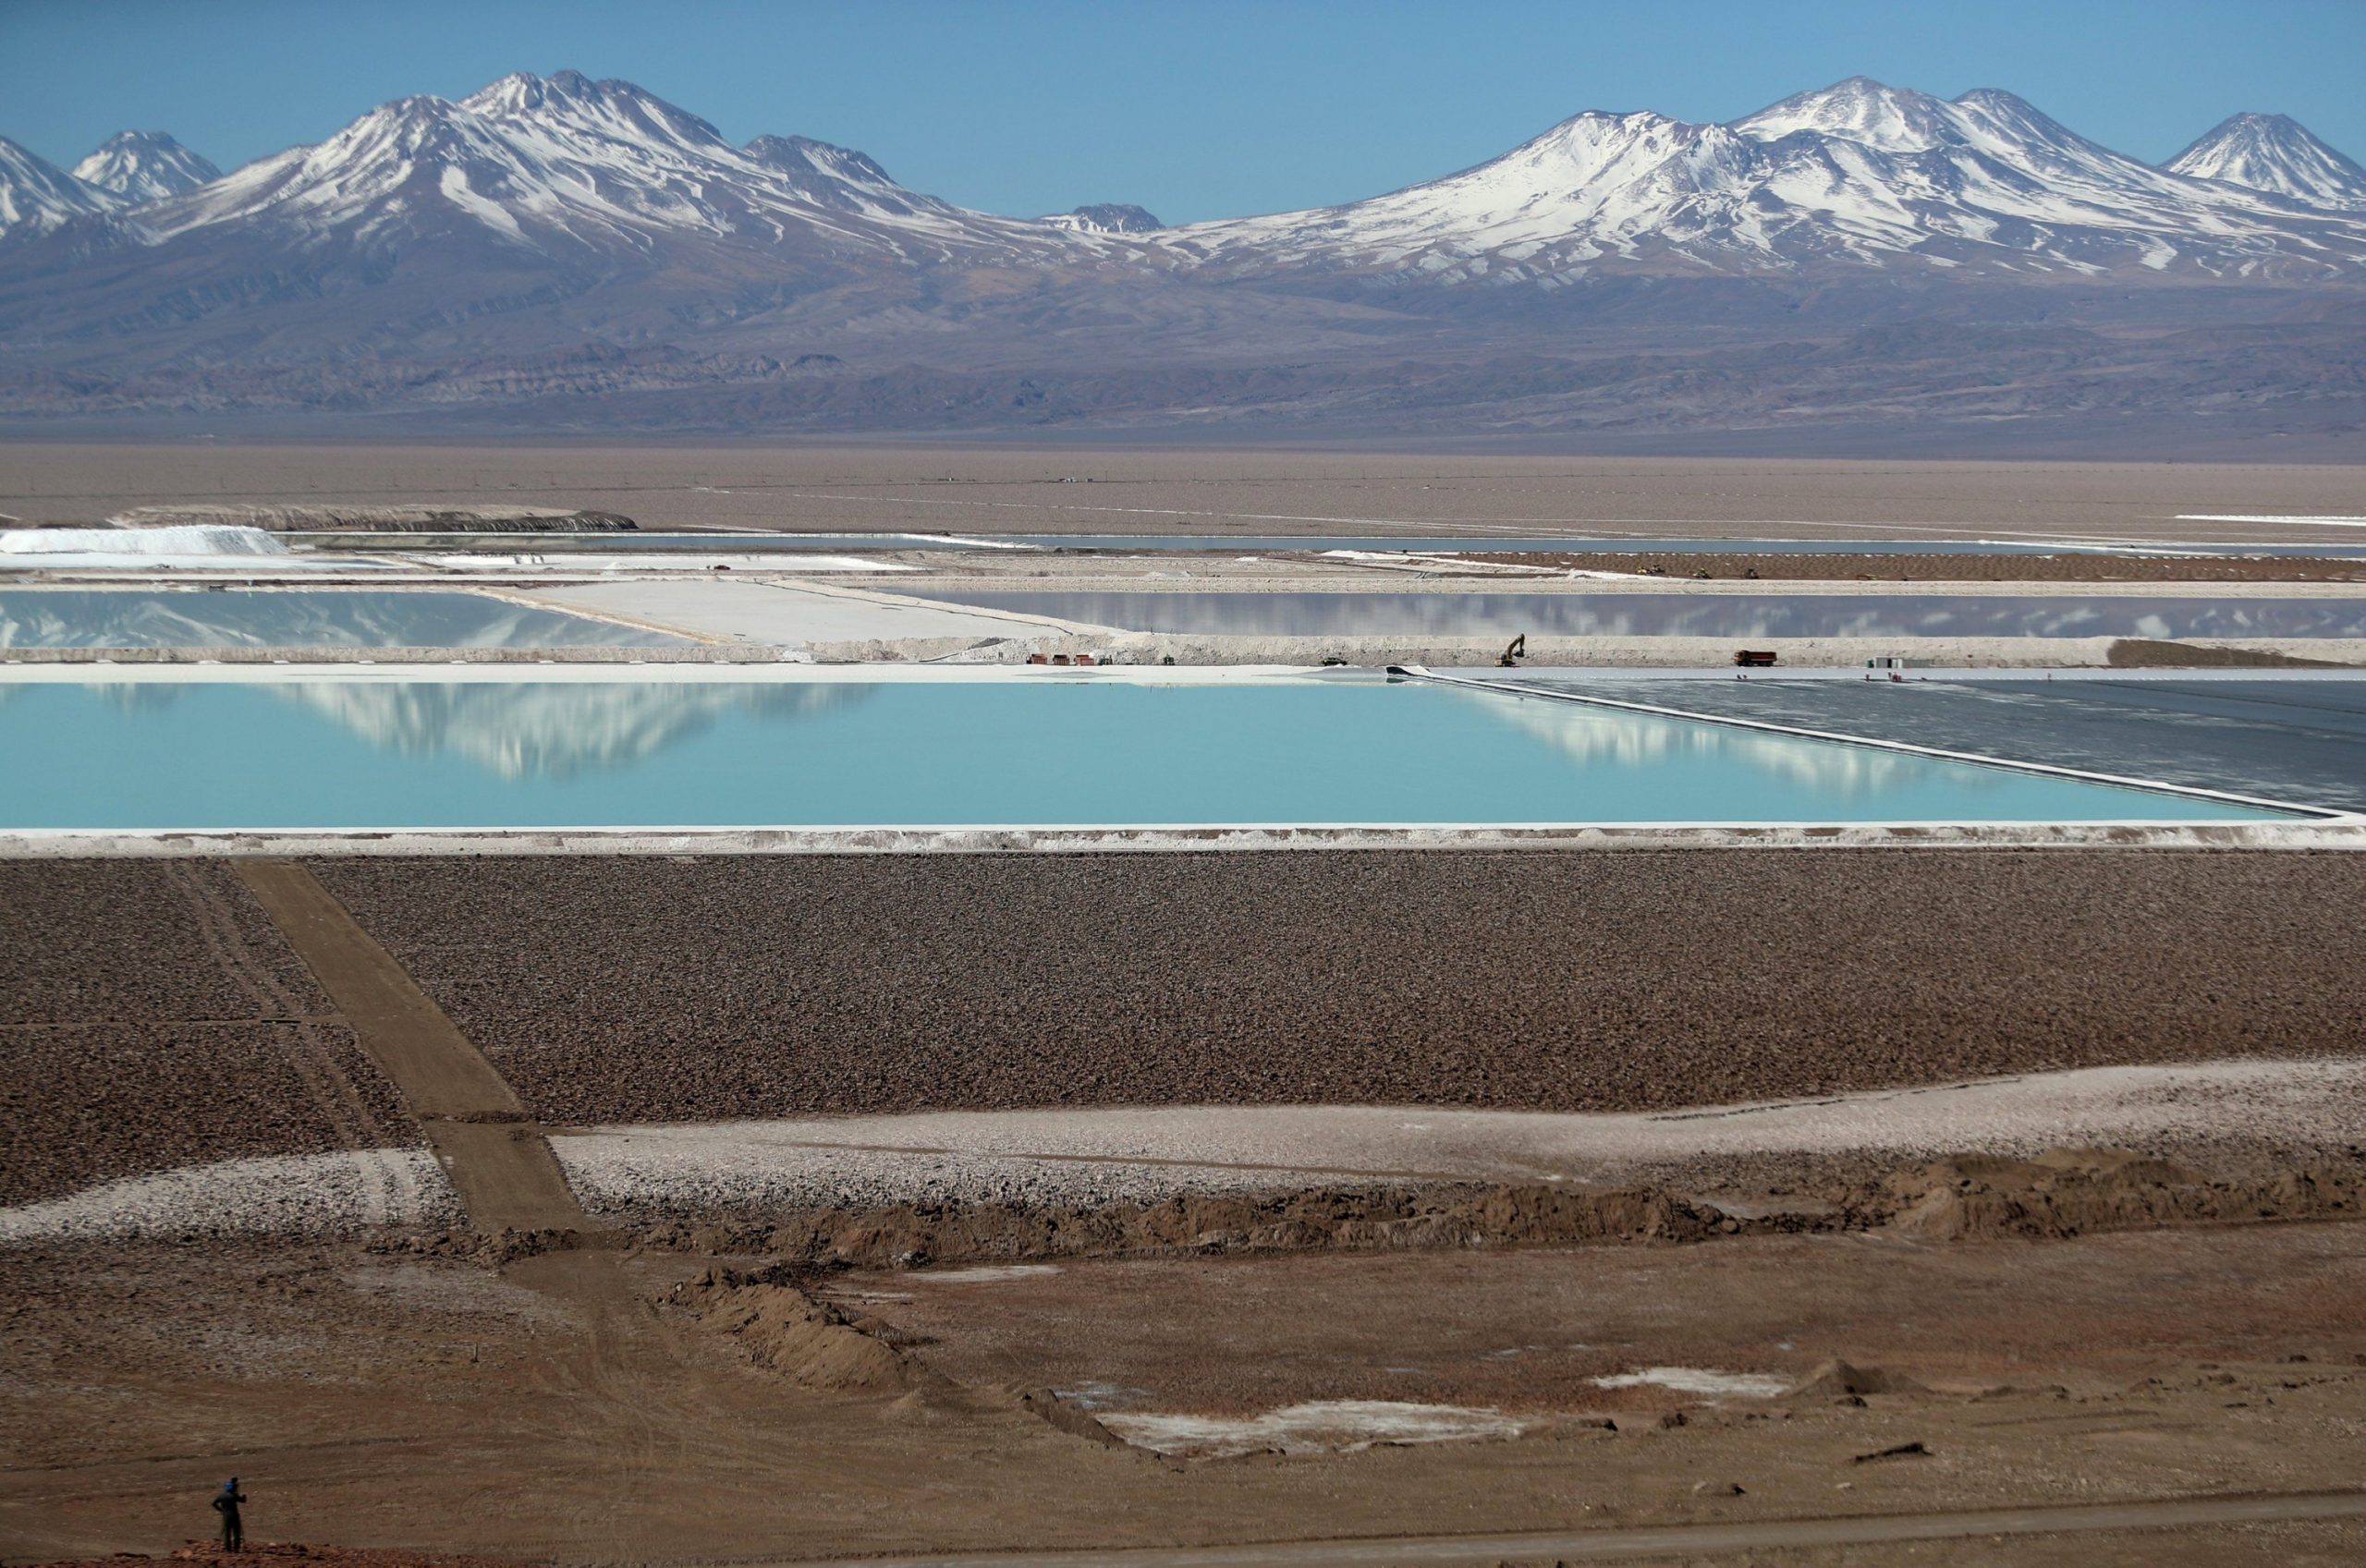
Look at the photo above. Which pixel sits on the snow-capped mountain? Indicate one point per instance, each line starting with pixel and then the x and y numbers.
pixel 1858 174
pixel 2274 153
pixel 586 254
pixel 1105 217
pixel 38 198
pixel 569 169
pixel 137 166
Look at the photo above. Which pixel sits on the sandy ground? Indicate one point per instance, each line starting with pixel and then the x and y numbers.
pixel 616 989
pixel 1532 1331
pixel 1079 1156
pixel 374 1396
pixel 1041 491
pixel 581 1393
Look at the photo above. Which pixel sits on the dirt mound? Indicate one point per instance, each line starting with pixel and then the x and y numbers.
pixel 2138 654
pixel 783 1329
pixel 2068 1192
pixel 1072 1419
pixel 2063 1193
pixel 1322 1219
pixel 1836 1378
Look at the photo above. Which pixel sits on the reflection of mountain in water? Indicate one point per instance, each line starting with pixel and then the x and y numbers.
pixel 1610 737
pixel 1685 615
pixel 229 618
pixel 553 730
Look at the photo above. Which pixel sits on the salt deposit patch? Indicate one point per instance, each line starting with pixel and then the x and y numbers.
pixel 191 539
pixel 1701 1380
pixel 1141 1154
pixel 1331 1426
pixel 986 1274
pixel 287 1194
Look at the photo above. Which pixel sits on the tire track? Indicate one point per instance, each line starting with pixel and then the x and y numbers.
pixel 1683 1540
pixel 495 1155
pixel 385 1181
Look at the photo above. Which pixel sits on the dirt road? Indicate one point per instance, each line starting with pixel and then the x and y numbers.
pixel 494 1154
pixel 1685 1541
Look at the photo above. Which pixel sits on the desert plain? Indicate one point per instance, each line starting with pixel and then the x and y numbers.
pixel 1800 1205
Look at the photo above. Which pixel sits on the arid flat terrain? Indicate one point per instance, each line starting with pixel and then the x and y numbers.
pixel 622 989
pixel 1097 490
pixel 1794 1354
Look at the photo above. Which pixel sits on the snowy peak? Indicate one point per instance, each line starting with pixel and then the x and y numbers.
pixel 2277 154
pixel 569 168
pixel 39 198
pixel 1860 110
pixel 1858 174
pixel 1105 217
pixel 139 167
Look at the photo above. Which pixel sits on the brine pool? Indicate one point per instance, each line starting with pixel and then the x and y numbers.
pixel 1626 614
pixel 142 617
pixel 381 749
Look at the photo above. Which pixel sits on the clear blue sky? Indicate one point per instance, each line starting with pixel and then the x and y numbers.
pixel 1194 108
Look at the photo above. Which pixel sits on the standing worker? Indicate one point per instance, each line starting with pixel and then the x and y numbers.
pixel 226 1503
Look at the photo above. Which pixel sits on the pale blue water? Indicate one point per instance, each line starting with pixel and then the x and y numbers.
pixel 1622 613
pixel 1035 751
pixel 149 617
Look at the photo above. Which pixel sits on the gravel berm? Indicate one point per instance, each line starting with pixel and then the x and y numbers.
pixel 614 990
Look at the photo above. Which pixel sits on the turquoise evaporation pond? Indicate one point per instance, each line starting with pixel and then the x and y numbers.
pixel 395 753
pixel 149 617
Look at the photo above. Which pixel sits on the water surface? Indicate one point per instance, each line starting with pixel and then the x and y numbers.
pixel 1057 752
pixel 1683 614
pixel 297 618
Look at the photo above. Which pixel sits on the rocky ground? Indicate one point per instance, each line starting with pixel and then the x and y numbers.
pixel 645 989
pixel 1846 1339
pixel 154 1018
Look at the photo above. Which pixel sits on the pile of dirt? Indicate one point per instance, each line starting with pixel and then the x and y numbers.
pixel 2071 1192
pixel 2140 653
pixel 782 1329
pixel 2059 1194
pixel 1836 1378
pixel 1382 1219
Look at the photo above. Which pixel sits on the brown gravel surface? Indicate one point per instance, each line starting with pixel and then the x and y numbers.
pixel 151 1016
pixel 430 1404
pixel 90 1105
pixel 610 989
pixel 1779 566
pixel 140 941
pixel 1105 489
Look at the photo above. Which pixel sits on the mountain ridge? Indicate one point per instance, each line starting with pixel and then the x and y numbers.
pixel 583 251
